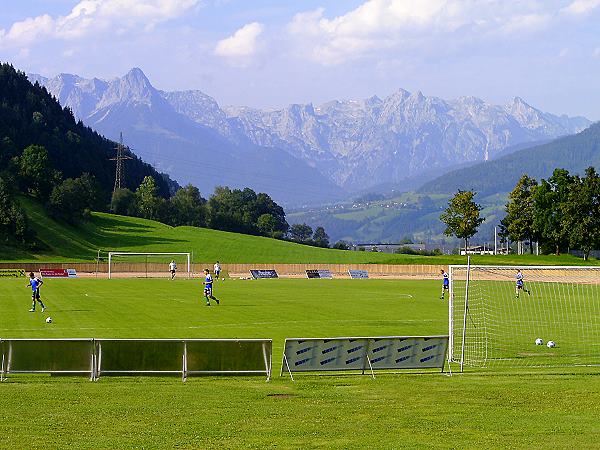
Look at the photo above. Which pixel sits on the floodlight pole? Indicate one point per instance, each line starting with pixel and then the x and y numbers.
pixel 464 330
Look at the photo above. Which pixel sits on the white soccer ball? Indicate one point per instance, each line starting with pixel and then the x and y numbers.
pixel 551 344
pixel 539 341
pixel 48 319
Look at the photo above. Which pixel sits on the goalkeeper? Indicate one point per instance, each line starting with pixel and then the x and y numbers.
pixel 520 284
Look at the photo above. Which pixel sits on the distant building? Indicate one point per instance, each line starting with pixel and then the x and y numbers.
pixel 392 248
pixel 478 250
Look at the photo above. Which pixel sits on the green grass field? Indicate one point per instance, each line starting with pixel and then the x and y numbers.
pixel 516 409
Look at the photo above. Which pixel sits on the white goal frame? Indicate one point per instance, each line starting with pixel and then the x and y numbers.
pixel 187 254
pixel 456 353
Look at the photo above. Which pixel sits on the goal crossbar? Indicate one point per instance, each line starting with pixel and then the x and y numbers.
pixel 112 254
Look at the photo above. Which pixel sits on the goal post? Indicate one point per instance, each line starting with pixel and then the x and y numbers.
pixel 148 263
pixel 494 321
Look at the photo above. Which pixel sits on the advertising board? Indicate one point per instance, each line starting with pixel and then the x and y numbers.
pixel 264 273
pixel 12 273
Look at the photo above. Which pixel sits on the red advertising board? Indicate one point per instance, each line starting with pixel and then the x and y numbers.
pixel 54 273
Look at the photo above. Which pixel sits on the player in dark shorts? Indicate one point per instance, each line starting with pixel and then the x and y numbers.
pixel 172 268
pixel 208 294
pixel 520 284
pixel 35 284
pixel 445 283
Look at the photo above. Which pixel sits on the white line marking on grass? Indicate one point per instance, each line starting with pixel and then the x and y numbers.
pixel 212 325
pixel 405 296
pixel 315 321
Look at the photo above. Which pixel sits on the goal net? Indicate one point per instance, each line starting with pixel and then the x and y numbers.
pixel 128 264
pixel 492 323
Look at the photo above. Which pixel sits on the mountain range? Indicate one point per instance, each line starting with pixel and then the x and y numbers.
pixel 304 154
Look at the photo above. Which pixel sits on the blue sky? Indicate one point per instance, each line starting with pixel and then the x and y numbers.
pixel 269 53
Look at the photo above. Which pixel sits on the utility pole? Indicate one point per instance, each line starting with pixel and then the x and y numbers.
pixel 119 159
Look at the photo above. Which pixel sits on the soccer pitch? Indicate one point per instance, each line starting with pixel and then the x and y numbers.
pixel 520 409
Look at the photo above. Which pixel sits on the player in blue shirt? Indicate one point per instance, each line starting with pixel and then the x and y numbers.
pixel 208 281
pixel 445 283
pixel 35 284
pixel 520 284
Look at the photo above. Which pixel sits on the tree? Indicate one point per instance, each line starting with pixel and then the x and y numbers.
pixel 520 212
pixel 147 200
pixel 266 224
pixel 123 202
pixel 35 171
pixel 549 209
pixel 341 245
pixel 188 207
pixel 300 232
pixel 239 211
pixel 462 216
pixel 91 191
pixel 13 220
pixel 582 212
pixel 72 199
pixel 320 238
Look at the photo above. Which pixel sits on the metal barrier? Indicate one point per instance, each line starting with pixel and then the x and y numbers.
pixel 98 357
pixel 55 356
pixel 362 353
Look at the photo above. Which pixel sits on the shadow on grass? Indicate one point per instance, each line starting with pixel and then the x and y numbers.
pixel 82 241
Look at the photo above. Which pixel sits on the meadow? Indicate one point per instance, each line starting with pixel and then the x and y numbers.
pixel 525 408
pixel 61 242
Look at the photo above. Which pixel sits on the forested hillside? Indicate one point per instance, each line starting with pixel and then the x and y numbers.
pixel 573 153
pixel 29 115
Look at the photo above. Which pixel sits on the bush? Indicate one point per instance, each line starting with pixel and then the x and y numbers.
pixel 341 245
pixel 405 250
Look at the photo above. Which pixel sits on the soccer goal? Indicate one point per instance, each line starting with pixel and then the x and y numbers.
pixel 493 323
pixel 148 264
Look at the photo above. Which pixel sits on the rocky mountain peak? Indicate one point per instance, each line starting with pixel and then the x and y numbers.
pixel 134 87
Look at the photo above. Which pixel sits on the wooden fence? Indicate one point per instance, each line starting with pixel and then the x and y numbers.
pixel 235 270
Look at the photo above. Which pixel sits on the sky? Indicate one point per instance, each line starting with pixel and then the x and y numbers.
pixel 270 53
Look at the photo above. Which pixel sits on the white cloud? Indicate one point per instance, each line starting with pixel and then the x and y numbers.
pixel 530 22
pixel 243 43
pixel 93 16
pixel 29 30
pixel 395 24
pixel 579 7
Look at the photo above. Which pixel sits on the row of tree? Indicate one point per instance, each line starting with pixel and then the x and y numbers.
pixel 562 212
pixel 559 213
pixel 236 210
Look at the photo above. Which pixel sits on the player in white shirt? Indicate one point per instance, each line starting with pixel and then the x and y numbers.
pixel 520 284
pixel 217 270
pixel 172 268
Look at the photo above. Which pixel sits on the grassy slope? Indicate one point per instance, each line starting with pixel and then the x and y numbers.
pixel 110 232
pixel 540 409
pixel 61 242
